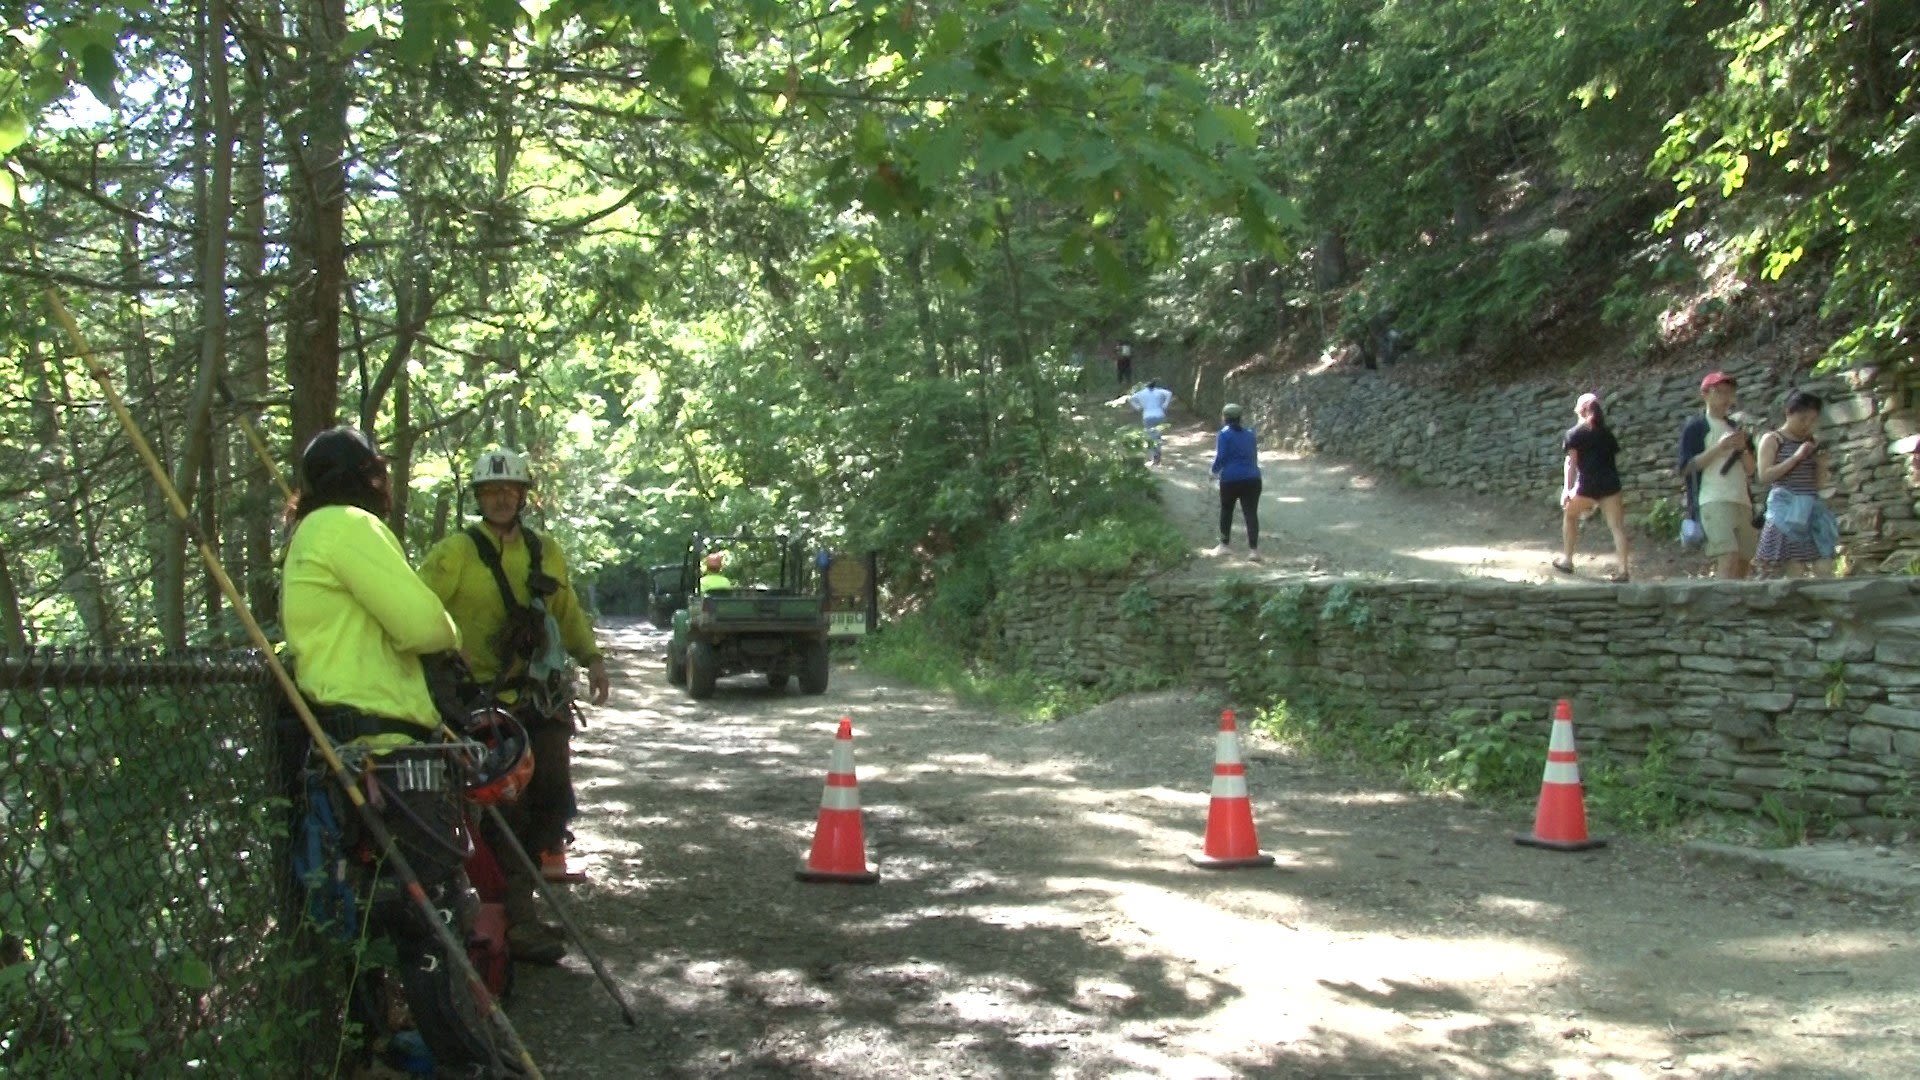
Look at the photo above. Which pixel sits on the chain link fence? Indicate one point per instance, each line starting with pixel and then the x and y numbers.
pixel 147 926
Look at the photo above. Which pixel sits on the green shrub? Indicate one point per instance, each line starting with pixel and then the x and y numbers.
pixel 916 650
pixel 1101 548
pixel 1497 759
pixel 963 594
pixel 1662 519
pixel 1464 753
pixel 1646 795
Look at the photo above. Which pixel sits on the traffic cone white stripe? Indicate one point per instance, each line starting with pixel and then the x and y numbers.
pixel 842 760
pixel 1226 748
pixel 840 798
pixel 1562 738
pixel 1229 787
pixel 1562 772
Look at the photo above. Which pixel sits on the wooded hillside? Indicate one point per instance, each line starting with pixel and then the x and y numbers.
pixel 850 266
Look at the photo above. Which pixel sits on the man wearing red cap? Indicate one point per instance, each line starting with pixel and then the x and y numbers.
pixel 1716 460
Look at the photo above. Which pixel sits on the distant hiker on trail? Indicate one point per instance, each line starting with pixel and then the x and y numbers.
pixel 1800 531
pixel 1236 465
pixel 1716 459
pixel 509 591
pixel 1123 364
pixel 1151 402
pixel 1591 479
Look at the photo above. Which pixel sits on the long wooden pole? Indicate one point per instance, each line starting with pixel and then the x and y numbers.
pixel 454 949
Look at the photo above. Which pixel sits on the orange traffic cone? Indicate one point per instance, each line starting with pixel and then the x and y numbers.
pixel 839 843
pixel 1560 821
pixel 553 867
pixel 1230 842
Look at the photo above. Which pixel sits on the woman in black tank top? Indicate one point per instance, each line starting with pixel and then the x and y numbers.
pixel 1592 479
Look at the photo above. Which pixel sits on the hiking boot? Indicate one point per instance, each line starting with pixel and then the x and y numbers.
pixel 553 867
pixel 1217 549
pixel 1253 556
pixel 540 931
pixel 536 943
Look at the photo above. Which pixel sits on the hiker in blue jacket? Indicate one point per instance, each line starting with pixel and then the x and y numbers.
pixel 1236 465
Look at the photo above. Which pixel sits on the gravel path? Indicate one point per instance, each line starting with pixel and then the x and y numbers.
pixel 1037 918
pixel 1324 516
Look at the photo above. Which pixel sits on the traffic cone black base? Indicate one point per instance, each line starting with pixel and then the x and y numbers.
pixel 839 853
pixel 1558 845
pixel 867 877
pixel 1205 863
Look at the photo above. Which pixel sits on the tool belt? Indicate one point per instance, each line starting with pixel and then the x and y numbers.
pixel 416 791
pixel 343 724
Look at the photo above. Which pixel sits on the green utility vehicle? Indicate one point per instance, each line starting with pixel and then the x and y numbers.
pixel 762 612
pixel 667 588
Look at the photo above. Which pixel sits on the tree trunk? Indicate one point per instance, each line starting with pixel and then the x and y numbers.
pixel 151 415
pixel 400 455
pixel 442 514
pixel 212 471
pixel 64 486
pixel 923 307
pixel 318 195
pixel 1467 221
pixel 1040 410
pixel 13 624
pixel 214 185
pixel 501 230
pixel 249 360
pixel 1329 260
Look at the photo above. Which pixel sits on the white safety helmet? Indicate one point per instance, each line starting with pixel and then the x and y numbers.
pixel 501 464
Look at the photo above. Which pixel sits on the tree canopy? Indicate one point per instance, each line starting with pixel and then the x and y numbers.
pixel 841 265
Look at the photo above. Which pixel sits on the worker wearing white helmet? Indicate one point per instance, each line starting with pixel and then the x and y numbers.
pixel 509 590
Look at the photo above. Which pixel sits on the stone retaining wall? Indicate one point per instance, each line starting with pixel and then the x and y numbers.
pixel 1806 691
pixel 1505 439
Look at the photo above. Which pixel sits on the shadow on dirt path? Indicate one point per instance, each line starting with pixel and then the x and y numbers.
pixel 1320 515
pixel 1036 917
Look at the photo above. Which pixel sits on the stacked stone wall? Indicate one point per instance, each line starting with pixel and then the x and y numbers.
pixel 1803 695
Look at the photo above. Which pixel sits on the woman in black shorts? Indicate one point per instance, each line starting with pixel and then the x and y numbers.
pixel 1592 479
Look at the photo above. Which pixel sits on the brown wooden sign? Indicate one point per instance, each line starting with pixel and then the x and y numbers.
pixel 851 595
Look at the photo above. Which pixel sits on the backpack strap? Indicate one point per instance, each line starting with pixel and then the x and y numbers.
pixel 490 555
pixel 534 568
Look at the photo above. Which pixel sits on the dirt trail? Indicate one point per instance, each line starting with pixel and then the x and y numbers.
pixel 1037 918
pixel 1322 516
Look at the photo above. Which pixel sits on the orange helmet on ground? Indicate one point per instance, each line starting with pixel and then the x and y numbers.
pixel 503 767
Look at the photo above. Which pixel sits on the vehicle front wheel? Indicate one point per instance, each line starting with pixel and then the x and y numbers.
pixel 814 667
pixel 703 669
